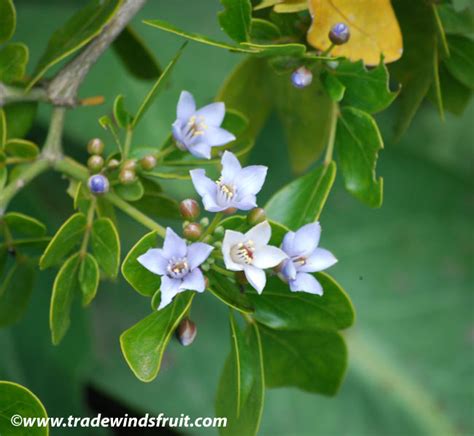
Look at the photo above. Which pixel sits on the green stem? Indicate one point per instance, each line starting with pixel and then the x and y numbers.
pixel 165 152
pixel 332 134
pixel 222 271
pixel 214 223
pixel 52 149
pixel 328 50
pixel 87 234
pixel 128 143
pixel 15 94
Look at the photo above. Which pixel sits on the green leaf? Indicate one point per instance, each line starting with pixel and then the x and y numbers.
pixel 435 89
pixel 7 20
pixel 281 309
pixel 157 87
pixel 142 280
pixel 228 292
pixel 306 115
pixel 313 361
pixel 3 128
pixel 131 191
pixel 241 389
pixel 88 278
pixel 143 344
pixel 333 86
pixel 136 56
pixel 263 31
pixel 78 31
pixel 461 62
pixel 367 90
pixel 235 19
pixel 106 245
pixel 456 22
pixel 301 201
pixel 414 72
pixel 66 238
pixel 25 225
pixel 18 400
pixel 358 142
pixel 13 60
pixel 21 148
pixel 20 118
pixel 15 291
pixel 246 90
pixel 456 96
pixel 121 116
pixel 156 204
pixel 64 287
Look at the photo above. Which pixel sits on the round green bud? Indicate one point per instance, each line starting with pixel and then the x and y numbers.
pixel 204 221
pixel 192 231
pixel 148 162
pixel 189 209
pixel 113 164
pixel 127 176
pixel 129 164
pixel 95 146
pixel 95 163
pixel 186 332
pixel 256 216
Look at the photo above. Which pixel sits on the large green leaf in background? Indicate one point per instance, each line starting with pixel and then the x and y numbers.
pixel 13 60
pixel 7 20
pixel 18 400
pixel 235 19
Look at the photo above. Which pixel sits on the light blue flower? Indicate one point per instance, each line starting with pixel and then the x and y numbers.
pixel 236 188
pixel 199 130
pixel 305 257
pixel 177 264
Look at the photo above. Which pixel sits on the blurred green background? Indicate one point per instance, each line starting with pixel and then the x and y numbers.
pixel 408 267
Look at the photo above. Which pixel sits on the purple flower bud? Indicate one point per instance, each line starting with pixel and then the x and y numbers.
pixel 98 184
pixel 186 332
pixel 192 231
pixel 339 34
pixel 302 77
pixel 189 209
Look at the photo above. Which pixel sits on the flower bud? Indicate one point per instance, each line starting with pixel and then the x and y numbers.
pixel 95 146
pixel 95 163
pixel 302 77
pixel 241 278
pixel 186 332
pixel 204 221
pixel 339 34
pixel 113 164
pixel 192 231
pixel 219 231
pixel 129 164
pixel 189 209
pixel 256 216
pixel 148 162
pixel 98 184
pixel 127 176
pixel 230 210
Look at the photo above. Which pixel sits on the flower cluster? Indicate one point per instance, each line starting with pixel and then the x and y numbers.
pixel 179 264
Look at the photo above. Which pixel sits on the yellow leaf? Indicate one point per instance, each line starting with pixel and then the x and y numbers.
pixel 372 23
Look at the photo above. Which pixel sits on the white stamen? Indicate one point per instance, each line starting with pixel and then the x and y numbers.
pixel 243 253
pixel 177 268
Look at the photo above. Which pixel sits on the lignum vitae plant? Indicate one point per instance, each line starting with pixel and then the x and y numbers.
pixel 323 76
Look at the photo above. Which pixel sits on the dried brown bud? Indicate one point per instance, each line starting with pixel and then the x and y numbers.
pixel 95 146
pixel 230 210
pixel 186 332
pixel 189 209
pixel 192 231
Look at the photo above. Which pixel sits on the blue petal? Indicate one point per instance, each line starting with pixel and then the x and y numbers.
pixel 198 253
pixel 288 244
pixel 251 179
pixel 213 114
pixel 186 106
pixel 230 166
pixel 246 203
pixel 194 281
pixel 306 283
pixel 307 239
pixel 216 136
pixel 154 261
pixel 203 184
pixel 201 149
pixel 169 288
pixel 289 270
pixel 319 260
pixel 174 246
pixel 177 129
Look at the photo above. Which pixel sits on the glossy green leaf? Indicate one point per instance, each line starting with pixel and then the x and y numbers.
pixel 358 142
pixel 435 89
pixel 15 291
pixel 18 400
pixel 142 280
pixel 13 60
pixel 21 224
pixel 461 62
pixel 21 148
pixel 228 292
pixel 20 118
pixel 136 56
pixel 3 128
pixel 106 245
pixel 131 191
pixel 414 72
pixel 3 258
pixel 157 87
pixel 246 91
pixel 241 389
pixel 456 22
pixel 314 361
pixel 306 115
pixel 66 238
pixel 235 19
pixel 121 116
pixel 7 20
pixel 79 30
pixel 64 287
pixel 302 200
pixel 281 309
pixel 143 344
pixel 456 96
pixel 367 90
pixel 333 86
pixel 157 205
pixel 88 278
pixel 263 31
